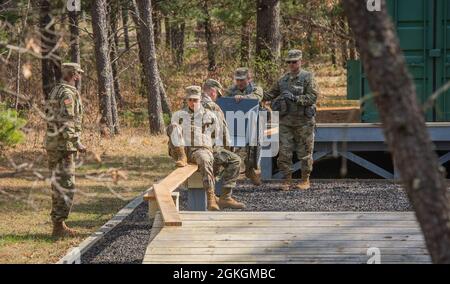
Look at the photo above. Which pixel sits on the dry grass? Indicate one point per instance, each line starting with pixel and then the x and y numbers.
pixel 25 201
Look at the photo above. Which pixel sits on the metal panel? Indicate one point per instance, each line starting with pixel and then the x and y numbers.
pixel 353 80
pixel 413 20
pixel 442 106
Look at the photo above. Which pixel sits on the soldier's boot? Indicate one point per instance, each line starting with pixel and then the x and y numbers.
pixel 180 157
pixel 226 201
pixel 287 183
pixel 212 200
pixel 60 230
pixel 303 184
pixel 251 174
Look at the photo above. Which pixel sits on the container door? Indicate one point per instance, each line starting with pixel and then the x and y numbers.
pixel 413 22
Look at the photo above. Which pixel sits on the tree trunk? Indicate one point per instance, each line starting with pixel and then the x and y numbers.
pixel 156 15
pixel 114 47
pixel 268 30
pixel 51 66
pixel 209 37
pixel 143 90
pixel 103 64
pixel 125 8
pixel 167 31
pixel 344 43
pixel 75 55
pixel 403 123
pixel 245 42
pixel 177 42
pixel 146 37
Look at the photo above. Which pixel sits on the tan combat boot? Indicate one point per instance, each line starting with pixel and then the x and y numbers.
pixel 304 182
pixel 212 200
pixel 226 201
pixel 287 183
pixel 60 230
pixel 180 157
pixel 251 174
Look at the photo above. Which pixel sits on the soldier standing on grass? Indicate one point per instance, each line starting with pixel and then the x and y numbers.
pixel 294 96
pixel 246 89
pixel 64 111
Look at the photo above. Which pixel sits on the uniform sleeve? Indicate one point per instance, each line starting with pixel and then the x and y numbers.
pixel 257 94
pixel 311 93
pixel 273 93
pixel 67 116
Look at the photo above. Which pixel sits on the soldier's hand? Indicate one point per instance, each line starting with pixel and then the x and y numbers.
pixel 81 148
pixel 238 98
pixel 290 96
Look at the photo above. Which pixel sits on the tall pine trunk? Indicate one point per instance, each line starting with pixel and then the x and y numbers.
pixel 268 39
pixel 75 54
pixel 51 66
pixel 404 123
pixel 209 36
pixel 103 64
pixel 146 37
pixel 126 37
pixel 177 30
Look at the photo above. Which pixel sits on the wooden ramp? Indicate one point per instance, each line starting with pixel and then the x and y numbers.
pixel 287 237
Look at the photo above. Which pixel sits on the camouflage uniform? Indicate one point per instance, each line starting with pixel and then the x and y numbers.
pixel 223 158
pixel 252 91
pixel 64 112
pixel 201 154
pixel 297 122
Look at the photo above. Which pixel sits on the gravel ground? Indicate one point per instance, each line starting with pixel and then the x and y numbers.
pixel 127 242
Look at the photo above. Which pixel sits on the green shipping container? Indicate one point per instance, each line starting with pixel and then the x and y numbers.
pixel 423 27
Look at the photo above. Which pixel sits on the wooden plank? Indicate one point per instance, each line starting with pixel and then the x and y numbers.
pixel 301 237
pixel 358 258
pixel 292 231
pixel 298 223
pixel 282 251
pixel 290 244
pixel 268 215
pixel 163 192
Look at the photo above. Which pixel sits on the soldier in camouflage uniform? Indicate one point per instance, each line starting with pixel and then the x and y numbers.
pixel 198 152
pixel 223 158
pixel 64 111
pixel 246 89
pixel 294 96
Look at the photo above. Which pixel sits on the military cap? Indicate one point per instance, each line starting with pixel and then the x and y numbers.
pixel 214 84
pixel 73 66
pixel 193 92
pixel 294 55
pixel 241 73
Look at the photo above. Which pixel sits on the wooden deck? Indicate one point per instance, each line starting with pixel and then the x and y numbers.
pixel 287 237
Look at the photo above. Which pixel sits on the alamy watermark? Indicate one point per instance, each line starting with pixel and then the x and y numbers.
pixel 374 5
pixel 73 5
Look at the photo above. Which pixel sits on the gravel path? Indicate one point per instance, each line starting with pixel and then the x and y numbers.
pixel 127 242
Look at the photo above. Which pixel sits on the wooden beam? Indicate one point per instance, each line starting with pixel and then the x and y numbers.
pixel 163 193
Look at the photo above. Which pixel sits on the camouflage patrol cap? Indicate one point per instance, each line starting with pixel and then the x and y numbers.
pixel 72 66
pixel 193 92
pixel 294 55
pixel 214 84
pixel 241 73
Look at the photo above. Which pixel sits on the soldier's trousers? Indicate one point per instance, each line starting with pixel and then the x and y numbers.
pixel 62 168
pixel 247 155
pixel 230 162
pixel 299 139
pixel 205 160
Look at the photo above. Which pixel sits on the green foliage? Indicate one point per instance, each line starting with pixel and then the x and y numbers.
pixel 10 127
pixel 135 118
